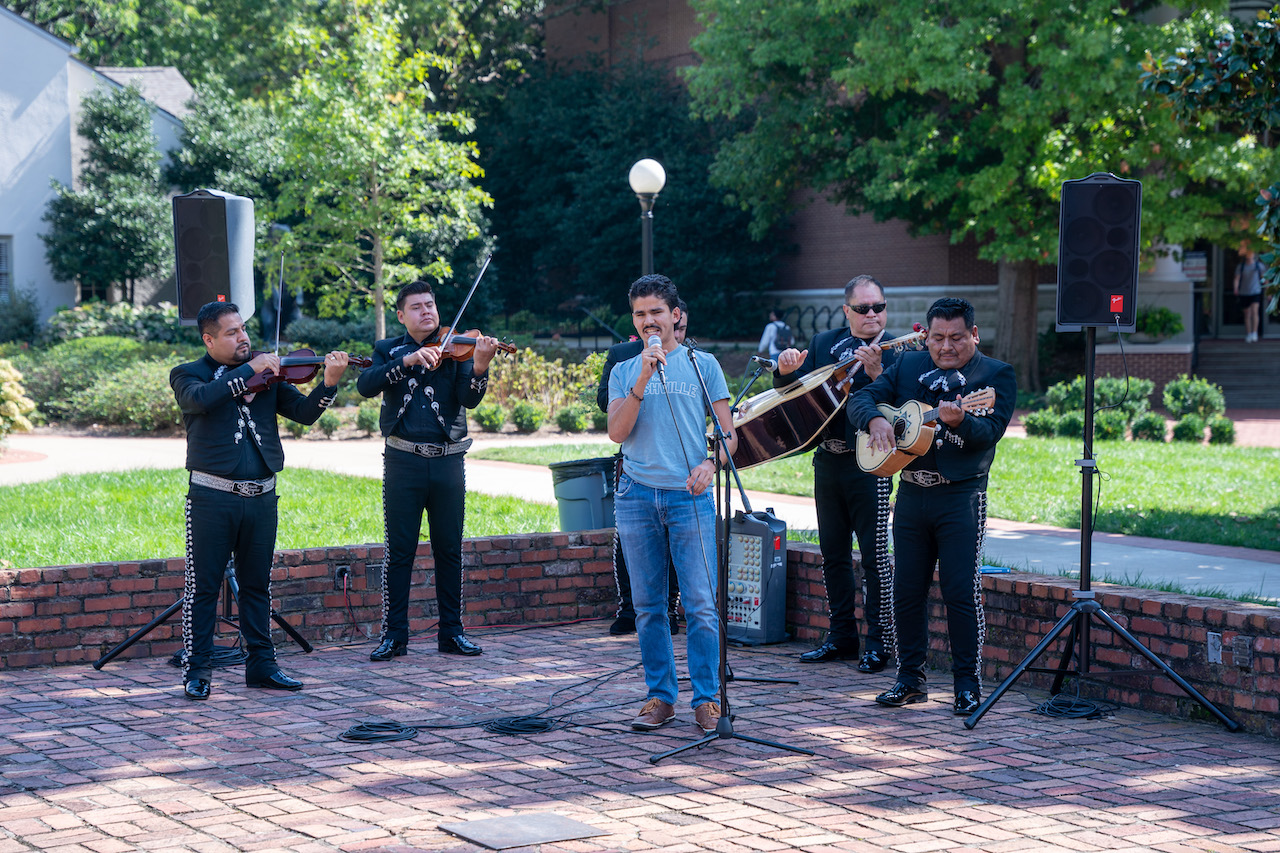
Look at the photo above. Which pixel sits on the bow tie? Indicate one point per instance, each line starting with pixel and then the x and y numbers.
pixel 941 381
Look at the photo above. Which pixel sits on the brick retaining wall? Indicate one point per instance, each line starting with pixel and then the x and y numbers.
pixel 75 614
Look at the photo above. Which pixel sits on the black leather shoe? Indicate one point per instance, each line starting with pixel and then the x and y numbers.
pixel 872 662
pixel 275 681
pixel 623 625
pixel 675 625
pixel 967 701
pixel 829 651
pixel 389 649
pixel 197 688
pixel 459 645
pixel 900 694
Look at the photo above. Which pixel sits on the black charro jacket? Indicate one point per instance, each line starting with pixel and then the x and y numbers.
pixel 964 452
pixel 449 389
pixel 211 397
pixel 617 354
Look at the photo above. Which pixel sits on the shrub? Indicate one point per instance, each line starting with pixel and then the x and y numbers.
pixel 327 335
pixel 1109 425
pixel 367 416
pixel 294 428
pixel 1041 423
pixel 1188 395
pixel 1158 321
pixel 138 396
pixel 1189 428
pixel 20 319
pixel 1221 430
pixel 1149 427
pixel 529 376
pixel 489 416
pixel 1107 391
pixel 575 417
pixel 145 323
pixel 599 419
pixel 528 416
pixel 328 423
pixel 14 404
pixel 1071 425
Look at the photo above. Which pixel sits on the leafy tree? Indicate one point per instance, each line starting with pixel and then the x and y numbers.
pixel 367 165
pixel 228 143
pixel 116 228
pixel 558 152
pixel 1224 72
pixel 957 118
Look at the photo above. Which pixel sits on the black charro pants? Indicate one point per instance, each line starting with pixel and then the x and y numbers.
pixel 412 484
pixel 220 526
pixel 942 525
pixel 851 503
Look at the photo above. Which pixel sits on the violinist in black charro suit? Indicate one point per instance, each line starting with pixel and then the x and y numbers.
pixel 940 514
pixel 849 502
pixel 234 453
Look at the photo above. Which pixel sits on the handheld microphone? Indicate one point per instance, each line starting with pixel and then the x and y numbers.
pixel 768 364
pixel 653 341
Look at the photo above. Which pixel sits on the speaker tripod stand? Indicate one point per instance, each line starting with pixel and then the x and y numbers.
pixel 230 590
pixel 1086 608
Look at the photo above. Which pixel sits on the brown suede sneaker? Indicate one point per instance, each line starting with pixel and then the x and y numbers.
pixel 654 714
pixel 707 715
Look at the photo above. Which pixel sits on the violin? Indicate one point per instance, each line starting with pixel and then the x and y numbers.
pixel 462 347
pixel 297 368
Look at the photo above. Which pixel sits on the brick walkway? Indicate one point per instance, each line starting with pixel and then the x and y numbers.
pixel 117 760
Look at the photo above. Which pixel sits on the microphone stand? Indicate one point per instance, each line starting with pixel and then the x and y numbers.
pixel 761 369
pixel 724 728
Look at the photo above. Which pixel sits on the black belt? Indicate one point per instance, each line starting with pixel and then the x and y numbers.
pixel 430 451
pixel 244 488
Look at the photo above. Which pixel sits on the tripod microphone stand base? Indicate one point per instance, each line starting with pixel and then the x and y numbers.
pixel 724 731
pixel 1077 619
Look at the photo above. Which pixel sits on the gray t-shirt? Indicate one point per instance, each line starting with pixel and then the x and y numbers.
pixel 652 454
pixel 1251 278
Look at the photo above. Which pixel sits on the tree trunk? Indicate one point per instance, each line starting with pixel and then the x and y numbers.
pixel 1015 322
pixel 379 291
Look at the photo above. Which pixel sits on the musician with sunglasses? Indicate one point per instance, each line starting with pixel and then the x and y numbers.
pixel 850 502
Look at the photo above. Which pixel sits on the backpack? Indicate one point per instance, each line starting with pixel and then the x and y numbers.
pixel 785 338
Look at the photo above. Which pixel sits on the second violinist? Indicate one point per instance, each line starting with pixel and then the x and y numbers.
pixel 424 395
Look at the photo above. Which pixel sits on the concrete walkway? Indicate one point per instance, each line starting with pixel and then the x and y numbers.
pixel 1129 560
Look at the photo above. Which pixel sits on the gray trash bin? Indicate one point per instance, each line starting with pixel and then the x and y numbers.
pixel 584 492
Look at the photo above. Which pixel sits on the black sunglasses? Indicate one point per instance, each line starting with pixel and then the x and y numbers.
pixel 863 309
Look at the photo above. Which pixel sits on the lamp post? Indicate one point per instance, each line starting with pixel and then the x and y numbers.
pixel 647 179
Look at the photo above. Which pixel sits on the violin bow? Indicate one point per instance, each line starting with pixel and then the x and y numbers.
pixel 279 302
pixel 453 329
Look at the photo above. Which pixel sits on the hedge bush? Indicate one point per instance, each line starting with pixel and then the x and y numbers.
pixel 1222 430
pixel 1071 425
pixel 328 423
pixel 489 416
pixel 1107 391
pixel 1109 425
pixel 137 396
pixel 20 319
pixel 1149 426
pixel 14 404
pixel 143 323
pixel 367 416
pixel 575 417
pixel 1042 423
pixel 528 416
pixel 294 428
pixel 599 419
pixel 1189 395
pixel 1189 428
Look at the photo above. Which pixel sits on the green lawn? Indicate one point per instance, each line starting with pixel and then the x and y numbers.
pixel 1193 493
pixel 136 515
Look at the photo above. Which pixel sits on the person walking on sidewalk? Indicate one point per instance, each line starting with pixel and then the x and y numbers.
pixel 425 426
pixel 234 454
pixel 625 619
pixel 1248 289
pixel 849 501
pixel 658 414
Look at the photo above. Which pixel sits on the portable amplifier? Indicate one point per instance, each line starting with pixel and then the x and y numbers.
pixel 757 593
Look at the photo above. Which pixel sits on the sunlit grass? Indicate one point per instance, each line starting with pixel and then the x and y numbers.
pixel 136 515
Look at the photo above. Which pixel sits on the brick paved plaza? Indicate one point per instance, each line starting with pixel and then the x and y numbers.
pixel 117 760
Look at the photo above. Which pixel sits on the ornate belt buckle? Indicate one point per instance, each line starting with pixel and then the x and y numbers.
pixel 247 488
pixel 926 478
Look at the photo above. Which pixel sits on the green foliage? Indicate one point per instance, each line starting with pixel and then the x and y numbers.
pixel 1071 425
pixel 575 417
pixel 20 318
pixel 138 396
pixel 568 224
pixel 528 416
pixel 528 375
pixel 1109 425
pixel 54 376
pixel 1107 391
pixel 229 144
pixel 1189 428
pixel 328 423
pixel 157 323
pixel 1222 430
pixel 295 429
pixel 1193 395
pixel 1158 322
pixel 1149 426
pixel 14 404
pixel 489 416
pixel 327 334
pixel 599 419
pixel 369 163
pixel 1042 423
pixel 116 228
pixel 367 416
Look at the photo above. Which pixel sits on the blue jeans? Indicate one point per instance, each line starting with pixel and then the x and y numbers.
pixel 651 521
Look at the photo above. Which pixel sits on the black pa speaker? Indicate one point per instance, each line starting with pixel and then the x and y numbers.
pixel 213 245
pixel 1098 253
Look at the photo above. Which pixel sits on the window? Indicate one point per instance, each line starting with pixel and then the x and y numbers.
pixel 6 269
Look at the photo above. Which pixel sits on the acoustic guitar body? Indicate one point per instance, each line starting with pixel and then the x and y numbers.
pixel 776 423
pixel 912 433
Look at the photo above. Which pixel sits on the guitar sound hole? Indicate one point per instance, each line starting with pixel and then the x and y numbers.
pixel 899 429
